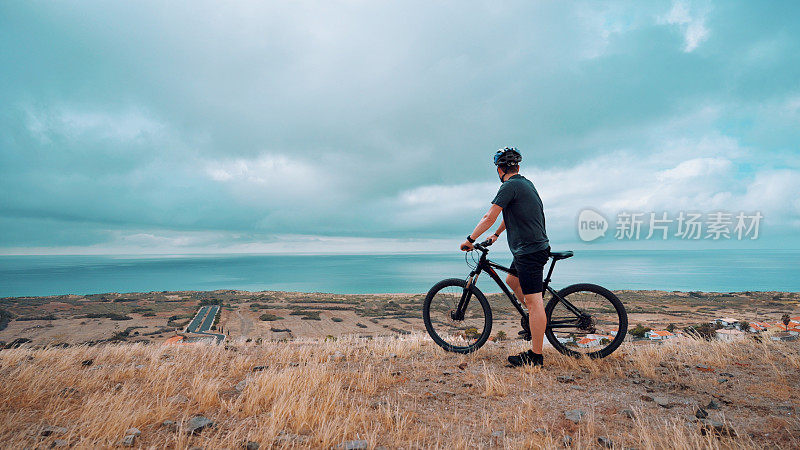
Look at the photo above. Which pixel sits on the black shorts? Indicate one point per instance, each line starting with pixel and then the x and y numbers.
pixel 529 269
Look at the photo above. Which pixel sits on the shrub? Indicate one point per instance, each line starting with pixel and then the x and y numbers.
pixel 112 316
pixel 5 317
pixel 47 317
pixel 471 333
pixel 361 325
pixel 210 302
pixel 267 317
pixel 500 336
pixel 639 331
pixel 704 330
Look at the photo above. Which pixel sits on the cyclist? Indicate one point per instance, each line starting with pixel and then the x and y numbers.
pixel 523 218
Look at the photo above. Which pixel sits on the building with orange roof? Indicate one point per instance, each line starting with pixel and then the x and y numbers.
pixel 659 335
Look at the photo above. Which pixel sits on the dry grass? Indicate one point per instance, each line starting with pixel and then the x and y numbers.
pixel 396 392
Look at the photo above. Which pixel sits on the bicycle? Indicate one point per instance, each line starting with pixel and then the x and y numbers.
pixel 582 319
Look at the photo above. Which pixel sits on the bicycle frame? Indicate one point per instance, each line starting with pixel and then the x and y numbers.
pixel 491 267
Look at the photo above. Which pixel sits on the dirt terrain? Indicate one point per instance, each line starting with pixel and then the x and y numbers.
pixel 399 392
pixel 155 316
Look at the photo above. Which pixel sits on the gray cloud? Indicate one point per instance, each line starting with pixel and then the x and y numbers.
pixel 251 121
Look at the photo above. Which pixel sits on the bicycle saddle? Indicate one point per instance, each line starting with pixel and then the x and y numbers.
pixel 561 255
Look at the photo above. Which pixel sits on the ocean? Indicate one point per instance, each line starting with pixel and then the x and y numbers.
pixel 692 270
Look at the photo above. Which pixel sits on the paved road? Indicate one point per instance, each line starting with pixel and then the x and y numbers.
pixel 197 320
pixel 212 314
pixel 203 321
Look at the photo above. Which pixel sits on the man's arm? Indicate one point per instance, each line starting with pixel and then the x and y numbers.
pixel 485 223
pixel 499 231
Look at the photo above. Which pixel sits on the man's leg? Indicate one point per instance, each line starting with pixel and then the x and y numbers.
pixel 513 282
pixel 537 320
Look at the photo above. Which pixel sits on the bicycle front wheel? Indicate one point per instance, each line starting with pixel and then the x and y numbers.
pixel 451 331
pixel 586 320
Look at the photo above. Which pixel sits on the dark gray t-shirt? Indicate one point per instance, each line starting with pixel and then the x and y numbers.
pixel 523 214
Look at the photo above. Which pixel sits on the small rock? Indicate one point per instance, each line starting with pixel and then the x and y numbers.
pixel 286 439
pixel 726 374
pixel 258 368
pixel 198 423
pixel 87 362
pixel 396 373
pixel 462 366
pixel 628 413
pixel 565 379
pixel 117 387
pixel 466 385
pixel 446 373
pixel 704 368
pixel 574 415
pixel 178 399
pixel 605 442
pixel 128 441
pixel 297 364
pixel 721 380
pixel 59 443
pixel 646 398
pixel 499 434
pixel 139 366
pixel 662 402
pixel 250 445
pixel 134 431
pixel 712 426
pixel 540 431
pixel 338 356
pixel 701 413
pixel 567 441
pixel 577 388
pixel 713 404
pixel 49 430
pixel 168 424
pixel 354 445
pixel 241 385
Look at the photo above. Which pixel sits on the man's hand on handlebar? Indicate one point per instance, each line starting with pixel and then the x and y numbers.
pixel 467 246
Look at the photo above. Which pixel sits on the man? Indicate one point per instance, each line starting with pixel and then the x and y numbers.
pixel 523 218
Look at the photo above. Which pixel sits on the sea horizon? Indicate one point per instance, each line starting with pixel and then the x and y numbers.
pixel 717 270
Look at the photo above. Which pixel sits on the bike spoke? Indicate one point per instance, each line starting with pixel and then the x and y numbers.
pixel 448 326
pixel 584 321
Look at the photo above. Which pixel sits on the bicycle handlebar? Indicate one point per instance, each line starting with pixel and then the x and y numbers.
pixel 483 245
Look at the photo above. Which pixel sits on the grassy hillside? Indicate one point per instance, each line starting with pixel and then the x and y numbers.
pixel 400 392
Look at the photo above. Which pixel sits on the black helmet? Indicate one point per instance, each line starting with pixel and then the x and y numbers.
pixel 507 156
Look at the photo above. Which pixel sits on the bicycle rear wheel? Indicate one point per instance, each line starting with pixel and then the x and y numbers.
pixel 590 322
pixel 457 334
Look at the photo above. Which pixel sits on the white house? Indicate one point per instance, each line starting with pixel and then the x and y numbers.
pixel 726 321
pixel 588 342
pixel 729 335
pixel 659 335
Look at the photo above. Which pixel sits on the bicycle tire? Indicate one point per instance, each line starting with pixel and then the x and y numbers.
pixel 476 293
pixel 613 299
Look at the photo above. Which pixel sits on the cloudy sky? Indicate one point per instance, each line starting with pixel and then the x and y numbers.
pixel 164 127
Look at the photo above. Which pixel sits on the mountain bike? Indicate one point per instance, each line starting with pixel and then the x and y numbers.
pixel 582 319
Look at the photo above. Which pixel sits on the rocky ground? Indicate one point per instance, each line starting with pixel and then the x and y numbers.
pixel 154 316
pixel 399 392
